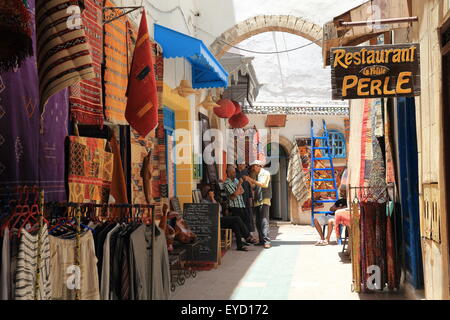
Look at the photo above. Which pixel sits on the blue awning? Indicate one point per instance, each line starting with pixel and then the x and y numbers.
pixel 207 72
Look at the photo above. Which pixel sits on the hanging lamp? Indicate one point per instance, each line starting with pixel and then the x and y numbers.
pixel 238 107
pixel 226 108
pixel 185 88
pixel 208 103
pixel 239 120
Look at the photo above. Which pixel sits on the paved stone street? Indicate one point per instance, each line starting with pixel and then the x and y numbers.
pixel 292 269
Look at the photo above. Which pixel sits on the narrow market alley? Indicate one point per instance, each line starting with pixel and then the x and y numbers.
pixel 293 269
pixel 217 150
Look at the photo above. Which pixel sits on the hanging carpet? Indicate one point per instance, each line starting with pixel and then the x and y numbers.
pixel 86 105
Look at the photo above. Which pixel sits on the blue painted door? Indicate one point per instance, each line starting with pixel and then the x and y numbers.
pixel 169 140
pixel 409 190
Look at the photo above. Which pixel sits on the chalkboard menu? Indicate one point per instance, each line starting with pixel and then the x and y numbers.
pixel 204 221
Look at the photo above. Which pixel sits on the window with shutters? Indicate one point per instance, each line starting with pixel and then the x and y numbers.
pixel 338 146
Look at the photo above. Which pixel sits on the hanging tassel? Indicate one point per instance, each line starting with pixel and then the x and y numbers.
pixel 15 27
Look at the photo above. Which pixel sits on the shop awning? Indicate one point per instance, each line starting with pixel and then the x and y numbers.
pixel 207 72
pixel 335 35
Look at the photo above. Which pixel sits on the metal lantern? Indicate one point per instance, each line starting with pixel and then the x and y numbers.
pixel 239 120
pixel 238 107
pixel 226 109
pixel 209 103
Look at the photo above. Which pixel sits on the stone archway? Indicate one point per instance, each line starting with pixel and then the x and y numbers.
pixel 261 24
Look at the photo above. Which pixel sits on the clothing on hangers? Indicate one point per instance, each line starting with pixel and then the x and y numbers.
pixel 33 256
pixel 84 278
pixel 146 283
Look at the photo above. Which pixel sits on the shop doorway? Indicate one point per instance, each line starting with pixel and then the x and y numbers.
pixel 279 210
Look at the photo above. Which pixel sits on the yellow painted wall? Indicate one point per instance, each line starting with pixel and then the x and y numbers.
pixel 184 172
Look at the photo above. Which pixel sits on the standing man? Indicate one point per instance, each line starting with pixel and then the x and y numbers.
pixel 263 195
pixel 241 172
pixel 236 204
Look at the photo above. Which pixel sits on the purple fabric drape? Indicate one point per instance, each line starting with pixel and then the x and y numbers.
pixel 28 157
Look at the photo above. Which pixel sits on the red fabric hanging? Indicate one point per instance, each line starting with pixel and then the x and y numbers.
pixel 142 105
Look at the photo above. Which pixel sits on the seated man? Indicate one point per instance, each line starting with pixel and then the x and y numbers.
pixel 234 223
pixel 328 219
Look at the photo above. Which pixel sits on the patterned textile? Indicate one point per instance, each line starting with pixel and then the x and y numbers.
pixel 28 286
pixel 16 29
pixel 141 146
pixel 139 150
pixel 296 177
pixel 90 170
pixel 390 167
pixel 392 266
pixel 377 122
pixel 63 53
pixel 366 145
pixel 377 174
pixel 86 104
pixel 376 238
pixel 52 147
pixel 161 154
pixel 27 157
pixel 142 103
pixel 305 154
pixel 116 68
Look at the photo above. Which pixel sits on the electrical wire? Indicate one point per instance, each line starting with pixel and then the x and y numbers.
pixel 279 67
pixel 171 11
pixel 270 52
pixel 258 52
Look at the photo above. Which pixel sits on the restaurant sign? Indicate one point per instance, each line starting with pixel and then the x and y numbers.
pixel 375 71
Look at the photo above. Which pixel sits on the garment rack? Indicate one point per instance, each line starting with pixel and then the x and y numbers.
pixel 77 205
pixel 121 205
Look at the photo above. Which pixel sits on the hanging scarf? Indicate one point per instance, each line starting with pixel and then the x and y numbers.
pixel 15 27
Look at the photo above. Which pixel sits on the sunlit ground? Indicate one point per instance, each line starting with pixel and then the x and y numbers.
pixel 292 269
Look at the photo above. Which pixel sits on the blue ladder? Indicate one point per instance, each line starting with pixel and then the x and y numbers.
pixel 326 146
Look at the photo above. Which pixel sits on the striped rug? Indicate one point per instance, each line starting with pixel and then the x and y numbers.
pixel 116 68
pixel 85 99
pixel 63 53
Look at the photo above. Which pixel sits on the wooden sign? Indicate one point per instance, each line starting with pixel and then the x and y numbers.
pixel 375 71
pixel 204 221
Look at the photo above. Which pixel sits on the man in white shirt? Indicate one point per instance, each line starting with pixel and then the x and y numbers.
pixel 262 197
